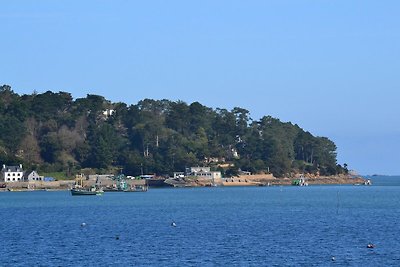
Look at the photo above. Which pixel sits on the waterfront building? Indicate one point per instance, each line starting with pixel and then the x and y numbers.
pixel 195 176
pixel 31 176
pixel 202 172
pixel 10 174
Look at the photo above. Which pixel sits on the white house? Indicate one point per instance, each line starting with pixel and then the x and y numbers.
pixel 108 113
pixel 11 174
pixel 196 170
pixel 202 172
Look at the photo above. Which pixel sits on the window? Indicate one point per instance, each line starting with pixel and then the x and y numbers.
pixel 13 173
pixel 13 179
pixel 8 179
pixel 18 174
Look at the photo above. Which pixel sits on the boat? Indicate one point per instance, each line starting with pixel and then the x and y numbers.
pixel 122 185
pixel 368 182
pixel 86 192
pixel 80 190
pixel 301 181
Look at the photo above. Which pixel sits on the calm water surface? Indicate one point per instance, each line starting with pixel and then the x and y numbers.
pixel 254 226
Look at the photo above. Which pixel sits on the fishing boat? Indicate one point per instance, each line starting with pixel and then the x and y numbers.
pixel 86 192
pixel 80 190
pixel 122 185
pixel 301 181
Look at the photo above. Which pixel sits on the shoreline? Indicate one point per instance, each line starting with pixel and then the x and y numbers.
pixel 265 180
pixel 243 180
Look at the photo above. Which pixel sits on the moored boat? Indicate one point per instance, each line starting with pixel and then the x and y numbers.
pixel 301 181
pixel 368 182
pixel 80 190
pixel 86 192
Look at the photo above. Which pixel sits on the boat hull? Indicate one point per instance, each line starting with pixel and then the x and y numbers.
pixel 144 189
pixel 76 192
pixel 157 183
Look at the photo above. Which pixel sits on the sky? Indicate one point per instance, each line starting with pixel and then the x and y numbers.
pixel 331 67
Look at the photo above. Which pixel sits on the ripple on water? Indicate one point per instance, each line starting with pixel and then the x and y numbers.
pixel 215 227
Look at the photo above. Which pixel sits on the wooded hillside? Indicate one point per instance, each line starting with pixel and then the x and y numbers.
pixel 54 132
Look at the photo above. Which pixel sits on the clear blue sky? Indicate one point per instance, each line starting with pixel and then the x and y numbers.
pixel 332 67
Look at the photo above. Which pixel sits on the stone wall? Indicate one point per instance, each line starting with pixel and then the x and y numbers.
pixel 38 185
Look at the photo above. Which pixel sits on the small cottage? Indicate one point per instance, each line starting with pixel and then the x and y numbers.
pixel 32 176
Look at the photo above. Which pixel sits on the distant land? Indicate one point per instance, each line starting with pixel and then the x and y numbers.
pixel 381 175
pixel 53 132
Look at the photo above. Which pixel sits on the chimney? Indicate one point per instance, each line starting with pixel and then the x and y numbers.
pixel 4 166
pixel 20 166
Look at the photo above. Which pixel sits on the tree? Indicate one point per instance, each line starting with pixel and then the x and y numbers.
pixel 242 119
pixel 51 105
pixel 325 155
pixel 105 144
pixel 12 132
pixel 30 150
pixel 178 116
pixel 50 147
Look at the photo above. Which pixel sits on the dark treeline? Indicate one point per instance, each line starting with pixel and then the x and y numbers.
pixel 54 132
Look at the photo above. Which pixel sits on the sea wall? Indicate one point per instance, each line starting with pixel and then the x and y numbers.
pixel 255 180
pixel 40 185
pixel 340 179
pixel 269 179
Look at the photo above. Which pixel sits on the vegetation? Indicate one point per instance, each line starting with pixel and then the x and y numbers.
pixel 51 132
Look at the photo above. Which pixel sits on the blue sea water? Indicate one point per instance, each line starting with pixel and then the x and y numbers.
pixel 237 226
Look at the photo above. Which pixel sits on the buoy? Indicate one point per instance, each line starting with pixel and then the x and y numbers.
pixel 370 245
pixel 333 258
pixel 117 237
pixel 173 224
pixel 83 224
